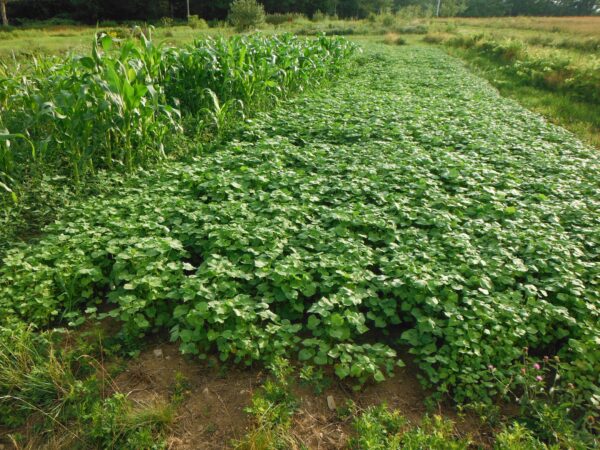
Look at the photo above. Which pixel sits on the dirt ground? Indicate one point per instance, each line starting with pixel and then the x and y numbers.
pixel 212 416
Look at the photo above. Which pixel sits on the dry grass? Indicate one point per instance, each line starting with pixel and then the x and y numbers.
pixel 394 39
pixel 588 26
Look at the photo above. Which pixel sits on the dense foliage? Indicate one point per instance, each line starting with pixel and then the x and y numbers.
pixel 116 108
pixel 410 207
pixel 246 14
pixel 92 10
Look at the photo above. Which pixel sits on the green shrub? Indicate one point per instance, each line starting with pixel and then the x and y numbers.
pixel 414 12
pixel 166 22
pixel 246 14
pixel 319 16
pixel 287 18
pixel 197 23
pixel 433 39
pixel 411 29
pixel 387 19
pixel 108 23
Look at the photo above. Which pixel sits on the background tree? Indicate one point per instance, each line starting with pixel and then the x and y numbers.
pixel 487 8
pixel 245 14
pixel 3 12
pixel 452 8
pixel 92 11
pixel 578 7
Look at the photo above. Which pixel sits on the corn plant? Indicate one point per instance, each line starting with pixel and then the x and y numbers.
pixel 116 108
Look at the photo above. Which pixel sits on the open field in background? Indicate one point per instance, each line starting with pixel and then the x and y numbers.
pixel 61 39
pixel 551 65
pixel 577 26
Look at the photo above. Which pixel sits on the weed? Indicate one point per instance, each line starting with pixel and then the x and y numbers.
pixel 180 389
pixel 378 428
pixel 272 409
pixel 314 378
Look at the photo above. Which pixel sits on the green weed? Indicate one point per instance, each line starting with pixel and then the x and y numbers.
pixel 272 409
pixel 378 428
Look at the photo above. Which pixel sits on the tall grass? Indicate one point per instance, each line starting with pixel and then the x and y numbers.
pixel 548 71
pixel 60 396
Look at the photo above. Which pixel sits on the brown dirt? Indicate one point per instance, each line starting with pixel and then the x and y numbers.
pixel 212 412
pixel 212 415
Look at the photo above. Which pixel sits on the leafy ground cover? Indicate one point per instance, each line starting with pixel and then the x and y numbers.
pixel 409 207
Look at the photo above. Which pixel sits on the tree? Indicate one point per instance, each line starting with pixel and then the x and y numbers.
pixel 486 8
pixel 3 12
pixel 245 14
pixel 451 8
pixel 578 7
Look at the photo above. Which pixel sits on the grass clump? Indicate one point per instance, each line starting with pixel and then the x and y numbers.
pixel 394 39
pixel 279 19
pixel 117 423
pixel 197 23
pixel 54 392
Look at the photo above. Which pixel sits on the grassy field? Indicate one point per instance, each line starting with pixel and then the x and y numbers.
pixel 60 39
pixel 273 242
pixel 582 27
pixel 550 65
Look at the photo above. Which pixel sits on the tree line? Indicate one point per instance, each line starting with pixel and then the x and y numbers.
pixel 91 11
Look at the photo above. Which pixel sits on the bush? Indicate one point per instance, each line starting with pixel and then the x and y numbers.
pixel 246 14
pixel 433 39
pixel 319 16
pixel 107 23
pixel 412 29
pixel 280 19
pixel 197 23
pixel 414 11
pixel 394 39
pixel 166 22
pixel 387 20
